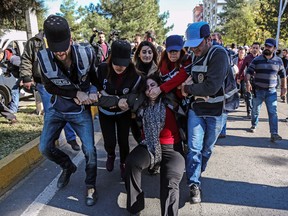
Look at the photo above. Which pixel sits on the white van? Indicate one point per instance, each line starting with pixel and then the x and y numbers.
pixel 16 40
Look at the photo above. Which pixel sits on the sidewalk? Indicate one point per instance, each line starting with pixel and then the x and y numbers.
pixel 247 175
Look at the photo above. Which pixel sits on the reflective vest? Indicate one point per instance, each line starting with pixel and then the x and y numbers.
pixel 82 56
pixel 226 99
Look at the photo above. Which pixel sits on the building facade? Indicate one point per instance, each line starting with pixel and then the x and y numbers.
pixel 211 9
pixel 198 13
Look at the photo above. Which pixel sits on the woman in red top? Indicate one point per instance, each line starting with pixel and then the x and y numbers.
pixel 172 65
pixel 161 147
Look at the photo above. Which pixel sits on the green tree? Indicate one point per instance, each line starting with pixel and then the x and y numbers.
pixel 91 19
pixel 12 12
pixel 238 22
pixel 134 16
pixel 267 18
pixel 69 11
pixel 245 21
pixel 130 17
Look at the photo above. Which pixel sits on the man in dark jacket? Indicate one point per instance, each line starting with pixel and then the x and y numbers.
pixel 67 72
pixel 254 52
pixel 101 47
pixel 205 115
pixel 30 73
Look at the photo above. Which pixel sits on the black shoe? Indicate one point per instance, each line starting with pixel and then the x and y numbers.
pixel 137 214
pixel 91 197
pixel 74 145
pixel 252 129
pixel 275 137
pixel 65 176
pixel 122 171
pixel 195 194
pixel 221 136
pixel 110 162
pixel 248 116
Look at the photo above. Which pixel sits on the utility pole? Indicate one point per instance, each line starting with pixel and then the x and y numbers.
pixel 281 11
pixel 32 23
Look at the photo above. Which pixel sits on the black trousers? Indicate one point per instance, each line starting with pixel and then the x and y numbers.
pixel 112 125
pixel 136 131
pixel 248 100
pixel 171 172
pixel 242 88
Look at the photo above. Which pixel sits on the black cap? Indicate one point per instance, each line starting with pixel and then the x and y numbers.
pixel 57 33
pixel 121 53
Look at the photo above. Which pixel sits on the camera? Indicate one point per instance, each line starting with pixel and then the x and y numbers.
pixel 114 35
pixel 115 32
pixel 95 30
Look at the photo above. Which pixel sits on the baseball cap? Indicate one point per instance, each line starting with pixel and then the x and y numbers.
pixel 174 42
pixel 270 42
pixel 195 34
pixel 57 33
pixel 121 53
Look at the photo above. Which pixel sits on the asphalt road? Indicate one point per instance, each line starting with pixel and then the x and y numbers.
pixel 247 175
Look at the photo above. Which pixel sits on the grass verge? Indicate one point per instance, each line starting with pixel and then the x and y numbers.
pixel 28 127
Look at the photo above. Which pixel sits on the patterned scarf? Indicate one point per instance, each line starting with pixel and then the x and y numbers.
pixel 153 123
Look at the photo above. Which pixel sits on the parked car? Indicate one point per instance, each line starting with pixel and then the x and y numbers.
pixel 14 40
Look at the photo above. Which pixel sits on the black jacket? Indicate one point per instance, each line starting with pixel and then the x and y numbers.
pixel 29 66
pixel 127 83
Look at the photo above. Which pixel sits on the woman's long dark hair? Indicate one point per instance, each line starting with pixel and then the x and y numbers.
pixel 157 79
pixel 137 59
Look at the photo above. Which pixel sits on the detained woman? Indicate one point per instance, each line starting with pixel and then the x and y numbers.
pixel 161 147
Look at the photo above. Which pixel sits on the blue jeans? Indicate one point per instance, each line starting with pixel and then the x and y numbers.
pixel 46 97
pixel 202 135
pixel 224 125
pixel 270 98
pixel 15 94
pixel 82 123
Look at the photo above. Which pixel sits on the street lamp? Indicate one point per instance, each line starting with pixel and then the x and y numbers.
pixel 281 11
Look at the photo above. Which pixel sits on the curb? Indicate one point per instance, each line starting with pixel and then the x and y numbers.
pixel 18 164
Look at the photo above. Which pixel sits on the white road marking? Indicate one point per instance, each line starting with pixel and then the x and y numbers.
pixel 49 192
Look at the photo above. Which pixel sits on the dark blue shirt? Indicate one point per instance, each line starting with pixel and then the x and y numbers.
pixel 266 70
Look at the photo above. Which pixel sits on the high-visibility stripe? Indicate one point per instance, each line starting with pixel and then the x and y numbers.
pixel 170 75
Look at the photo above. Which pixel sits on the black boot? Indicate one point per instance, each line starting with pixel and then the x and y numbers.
pixel 75 146
pixel 65 176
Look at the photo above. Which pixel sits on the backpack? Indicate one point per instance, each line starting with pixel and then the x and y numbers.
pixel 231 96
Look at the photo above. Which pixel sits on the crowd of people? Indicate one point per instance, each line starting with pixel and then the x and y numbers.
pixel 175 100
